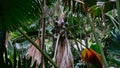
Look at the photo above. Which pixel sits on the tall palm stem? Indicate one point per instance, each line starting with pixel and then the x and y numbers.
pixel 43 32
pixel 118 10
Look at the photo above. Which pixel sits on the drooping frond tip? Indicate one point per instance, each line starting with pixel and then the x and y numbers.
pixel 91 57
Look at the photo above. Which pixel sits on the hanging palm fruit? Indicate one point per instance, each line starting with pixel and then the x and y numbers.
pixel 91 57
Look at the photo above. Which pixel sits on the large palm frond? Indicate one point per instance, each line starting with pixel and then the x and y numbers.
pixel 15 13
pixel 18 12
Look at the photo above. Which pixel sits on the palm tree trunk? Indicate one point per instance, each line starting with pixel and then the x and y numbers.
pixel 43 33
pixel 43 41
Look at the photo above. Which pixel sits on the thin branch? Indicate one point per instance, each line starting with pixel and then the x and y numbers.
pixel 63 31
pixel 102 13
pixel 56 47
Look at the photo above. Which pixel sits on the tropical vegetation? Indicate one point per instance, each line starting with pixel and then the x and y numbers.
pixel 59 33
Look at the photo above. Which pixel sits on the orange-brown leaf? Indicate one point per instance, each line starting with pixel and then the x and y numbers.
pixel 90 56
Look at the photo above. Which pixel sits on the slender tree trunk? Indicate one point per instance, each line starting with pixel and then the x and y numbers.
pixel 43 41
pixel 43 32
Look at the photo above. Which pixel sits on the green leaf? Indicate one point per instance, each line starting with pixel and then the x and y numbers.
pixel 95 11
pixel 95 48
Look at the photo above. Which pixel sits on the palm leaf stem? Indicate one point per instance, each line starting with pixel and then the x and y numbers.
pixel 28 38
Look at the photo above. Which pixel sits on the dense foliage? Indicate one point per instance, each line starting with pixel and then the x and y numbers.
pixel 71 33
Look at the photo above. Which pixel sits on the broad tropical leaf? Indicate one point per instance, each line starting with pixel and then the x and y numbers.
pixel 14 14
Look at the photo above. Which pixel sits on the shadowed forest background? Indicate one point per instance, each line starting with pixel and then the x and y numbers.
pixel 59 34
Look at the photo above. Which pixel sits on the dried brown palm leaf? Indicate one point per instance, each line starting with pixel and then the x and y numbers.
pixel 64 58
pixel 34 53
